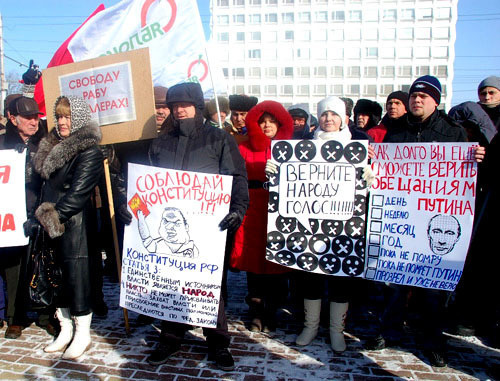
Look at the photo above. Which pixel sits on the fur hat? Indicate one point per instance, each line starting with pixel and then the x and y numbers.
pixel 80 112
pixel 492 81
pixel 189 92
pixel 211 108
pixel 160 93
pixel 334 104
pixel 370 108
pixel 258 141
pixel 429 85
pixel 401 95
pixel 242 102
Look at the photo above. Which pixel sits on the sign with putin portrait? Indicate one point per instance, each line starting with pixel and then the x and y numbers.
pixel 173 251
pixel 317 206
pixel 421 213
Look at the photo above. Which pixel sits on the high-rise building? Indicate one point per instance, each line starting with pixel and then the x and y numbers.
pixel 299 51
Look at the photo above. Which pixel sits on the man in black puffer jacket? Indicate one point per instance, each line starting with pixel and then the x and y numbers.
pixel 191 146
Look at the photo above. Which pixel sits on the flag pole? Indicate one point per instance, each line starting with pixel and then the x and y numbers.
pixel 213 86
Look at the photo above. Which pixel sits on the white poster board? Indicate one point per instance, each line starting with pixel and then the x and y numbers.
pixel 107 89
pixel 13 200
pixel 173 251
pixel 317 206
pixel 421 213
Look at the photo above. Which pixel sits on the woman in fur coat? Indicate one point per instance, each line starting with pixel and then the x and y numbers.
pixel 266 121
pixel 70 163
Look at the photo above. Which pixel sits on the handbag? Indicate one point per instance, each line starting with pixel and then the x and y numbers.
pixel 45 274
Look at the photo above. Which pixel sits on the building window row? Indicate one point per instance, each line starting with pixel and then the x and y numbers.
pixel 375 15
pixel 351 34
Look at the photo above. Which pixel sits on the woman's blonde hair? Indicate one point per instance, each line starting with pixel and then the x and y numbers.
pixel 63 108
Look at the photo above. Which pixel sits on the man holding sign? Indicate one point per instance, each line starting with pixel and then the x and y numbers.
pixel 192 147
pixel 425 123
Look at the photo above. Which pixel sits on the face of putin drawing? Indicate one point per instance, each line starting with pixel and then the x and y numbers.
pixel 443 233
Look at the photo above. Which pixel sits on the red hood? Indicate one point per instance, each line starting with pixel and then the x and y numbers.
pixel 258 141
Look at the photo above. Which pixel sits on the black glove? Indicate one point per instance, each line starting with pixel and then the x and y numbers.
pixel 20 147
pixel 30 227
pixel 32 75
pixel 123 214
pixel 231 222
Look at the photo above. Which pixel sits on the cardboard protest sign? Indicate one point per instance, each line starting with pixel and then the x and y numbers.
pixel 13 200
pixel 118 89
pixel 173 251
pixel 421 213
pixel 317 205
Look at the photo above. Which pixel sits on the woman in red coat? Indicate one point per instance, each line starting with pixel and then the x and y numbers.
pixel 266 121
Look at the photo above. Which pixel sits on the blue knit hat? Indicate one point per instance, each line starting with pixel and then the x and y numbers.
pixel 429 85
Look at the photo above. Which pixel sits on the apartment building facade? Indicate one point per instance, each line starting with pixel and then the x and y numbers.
pixel 299 51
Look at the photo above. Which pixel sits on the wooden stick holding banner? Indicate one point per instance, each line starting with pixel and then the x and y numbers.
pixel 213 86
pixel 112 216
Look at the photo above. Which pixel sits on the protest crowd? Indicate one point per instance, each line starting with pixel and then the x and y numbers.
pixel 65 198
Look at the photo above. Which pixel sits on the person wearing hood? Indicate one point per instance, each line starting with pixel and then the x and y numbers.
pixel 70 163
pixel 239 106
pixel 367 114
pixel 265 122
pixel 191 146
pixel 212 117
pixel 332 126
pixel 489 98
pixel 396 106
pixel 301 118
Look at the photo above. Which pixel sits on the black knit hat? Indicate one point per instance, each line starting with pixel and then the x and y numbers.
pixel 401 95
pixel 242 102
pixel 429 85
pixel 298 113
pixel 186 92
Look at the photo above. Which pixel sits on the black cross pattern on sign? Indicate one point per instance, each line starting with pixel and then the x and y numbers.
pixel 355 227
pixel 286 224
pixel 296 242
pixel 332 151
pixel 360 182
pixel 269 255
pixel 282 151
pixel 275 241
pixel 305 150
pixel 359 205
pixel 272 206
pixel 355 152
pixel 329 264
pixel 342 246
pixel 285 258
pixel 331 227
pixel 307 262
pixel 352 265
pixel 359 248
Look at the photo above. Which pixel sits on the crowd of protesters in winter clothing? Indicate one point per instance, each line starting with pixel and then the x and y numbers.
pixel 232 136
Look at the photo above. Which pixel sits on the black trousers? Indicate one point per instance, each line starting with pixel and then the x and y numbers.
pixel 340 289
pixel 217 337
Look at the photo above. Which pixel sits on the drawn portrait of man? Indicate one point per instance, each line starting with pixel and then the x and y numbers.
pixel 443 233
pixel 173 233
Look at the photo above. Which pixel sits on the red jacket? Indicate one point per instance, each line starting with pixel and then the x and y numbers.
pixel 249 250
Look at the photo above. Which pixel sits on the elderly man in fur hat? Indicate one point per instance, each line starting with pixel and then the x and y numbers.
pixel 212 117
pixel 191 146
pixel 240 105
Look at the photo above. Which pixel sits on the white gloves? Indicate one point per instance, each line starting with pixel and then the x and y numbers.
pixel 271 168
pixel 368 175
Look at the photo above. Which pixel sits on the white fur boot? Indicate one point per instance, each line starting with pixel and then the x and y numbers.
pixel 338 312
pixel 66 334
pixel 81 341
pixel 312 310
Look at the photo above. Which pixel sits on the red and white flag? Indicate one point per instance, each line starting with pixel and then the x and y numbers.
pixel 171 29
